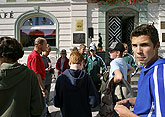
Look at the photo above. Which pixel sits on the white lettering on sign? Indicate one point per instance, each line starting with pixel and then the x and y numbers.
pixel 6 15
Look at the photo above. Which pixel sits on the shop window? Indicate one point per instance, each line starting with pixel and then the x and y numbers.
pixel 38 27
pixel 10 0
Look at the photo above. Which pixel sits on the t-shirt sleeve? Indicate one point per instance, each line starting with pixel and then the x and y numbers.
pixel 114 66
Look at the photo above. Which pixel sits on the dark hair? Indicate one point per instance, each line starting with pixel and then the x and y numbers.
pixel 10 48
pixel 146 29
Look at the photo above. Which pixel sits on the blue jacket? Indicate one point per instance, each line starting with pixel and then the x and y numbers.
pixel 150 100
pixel 75 94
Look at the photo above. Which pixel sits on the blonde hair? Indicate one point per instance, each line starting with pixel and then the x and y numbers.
pixel 82 46
pixel 39 40
pixel 76 58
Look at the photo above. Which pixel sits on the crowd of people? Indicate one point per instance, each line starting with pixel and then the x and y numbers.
pixel 25 89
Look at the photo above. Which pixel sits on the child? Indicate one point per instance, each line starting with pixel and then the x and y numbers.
pixel 49 71
pixel 118 67
pixel 75 92
pixel 62 62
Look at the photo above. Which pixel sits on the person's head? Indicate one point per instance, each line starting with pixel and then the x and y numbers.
pixel 75 49
pixel 47 51
pixel 63 53
pixel 126 48
pixel 145 43
pixel 116 50
pixel 82 48
pixel 10 50
pixel 40 44
pixel 92 50
pixel 76 58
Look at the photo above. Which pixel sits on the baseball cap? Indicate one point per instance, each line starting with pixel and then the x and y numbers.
pixel 63 51
pixel 92 44
pixel 92 47
pixel 117 46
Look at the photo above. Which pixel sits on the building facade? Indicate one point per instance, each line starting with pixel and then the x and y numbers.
pixel 69 23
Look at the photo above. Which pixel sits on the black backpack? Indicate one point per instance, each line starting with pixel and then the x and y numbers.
pixel 109 98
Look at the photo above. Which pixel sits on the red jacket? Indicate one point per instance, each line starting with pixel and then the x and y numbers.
pixel 65 66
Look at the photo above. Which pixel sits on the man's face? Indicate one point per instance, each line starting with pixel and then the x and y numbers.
pixel 92 52
pixel 144 49
pixel 44 46
pixel 63 55
pixel 82 50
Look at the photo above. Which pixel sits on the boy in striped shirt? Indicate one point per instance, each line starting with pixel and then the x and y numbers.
pixel 151 85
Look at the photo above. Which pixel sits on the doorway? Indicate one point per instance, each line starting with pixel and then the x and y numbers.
pixel 119 30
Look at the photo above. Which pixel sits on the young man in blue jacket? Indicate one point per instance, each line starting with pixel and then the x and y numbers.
pixel 151 85
pixel 75 92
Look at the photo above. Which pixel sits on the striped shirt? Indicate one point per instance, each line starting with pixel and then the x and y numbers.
pixel 150 100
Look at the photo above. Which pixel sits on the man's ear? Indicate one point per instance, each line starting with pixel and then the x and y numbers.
pixel 118 53
pixel 69 63
pixel 157 45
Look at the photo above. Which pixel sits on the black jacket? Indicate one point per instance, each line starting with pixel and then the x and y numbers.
pixel 75 94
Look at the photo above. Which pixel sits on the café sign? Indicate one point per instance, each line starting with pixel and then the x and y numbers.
pixel 6 15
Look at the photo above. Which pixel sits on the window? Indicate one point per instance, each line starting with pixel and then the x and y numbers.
pixel 163 37
pixel 10 0
pixel 162 24
pixel 162 31
pixel 37 27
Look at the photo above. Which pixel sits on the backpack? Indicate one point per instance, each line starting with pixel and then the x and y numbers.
pixel 107 103
pixel 109 98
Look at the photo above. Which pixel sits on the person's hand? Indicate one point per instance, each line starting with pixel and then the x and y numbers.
pixel 122 102
pixel 99 75
pixel 127 102
pixel 122 111
pixel 45 93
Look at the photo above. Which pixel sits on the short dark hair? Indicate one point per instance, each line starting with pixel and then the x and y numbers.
pixel 146 29
pixel 10 48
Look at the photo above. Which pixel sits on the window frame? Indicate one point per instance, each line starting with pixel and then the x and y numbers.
pixel 36 13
